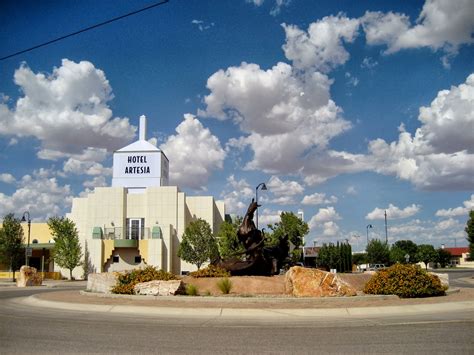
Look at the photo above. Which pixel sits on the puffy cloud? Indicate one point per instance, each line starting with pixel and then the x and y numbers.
pixel 351 190
pixel 442 24
pixel 393 212
pixel 458 211
pixel 427 232
pixel 97 181
pixel 287 116
pixel 330 229
pixel 321 47
pixel 238 195
pixel 7 178
pixel 194 153
pixel 39 194
pixel 66 111
pixel 318 199
pixel 447 224
pixel 324 215
pixel 267 217
pixel 441 153
pixel 284 190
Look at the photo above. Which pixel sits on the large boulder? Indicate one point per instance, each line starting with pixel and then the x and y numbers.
pixel 102 282
pixel 28 276
pixel 159 288
pixel 304 282
pixel 444 278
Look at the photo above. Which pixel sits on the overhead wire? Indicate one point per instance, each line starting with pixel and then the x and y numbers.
pixel 86 29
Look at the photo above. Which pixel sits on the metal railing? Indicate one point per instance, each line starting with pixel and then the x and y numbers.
pixel 123 233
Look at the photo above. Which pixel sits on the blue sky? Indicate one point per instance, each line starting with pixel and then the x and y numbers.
pixel 344 109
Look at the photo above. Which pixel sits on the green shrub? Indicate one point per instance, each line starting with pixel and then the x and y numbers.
pixel 225 285
pixel 406 281
pixel 210 271
pixel 192 290
pixel 127 280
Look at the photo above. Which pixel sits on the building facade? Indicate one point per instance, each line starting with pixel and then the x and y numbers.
pixel 140 219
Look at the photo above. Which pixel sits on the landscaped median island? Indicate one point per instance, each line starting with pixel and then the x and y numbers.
pixel 402 280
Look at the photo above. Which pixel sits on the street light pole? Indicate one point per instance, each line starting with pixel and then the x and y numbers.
pixel 264 187
pixel 368 226
pixel 23 219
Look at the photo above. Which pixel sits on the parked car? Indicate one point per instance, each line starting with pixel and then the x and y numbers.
pixel 375 267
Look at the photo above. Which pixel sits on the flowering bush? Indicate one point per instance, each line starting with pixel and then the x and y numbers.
pixel 406 281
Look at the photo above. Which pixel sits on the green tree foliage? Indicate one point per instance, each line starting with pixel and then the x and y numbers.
pixel 292 226
pixel 198 244
pixel 426 253
pixel 337 257
pixel 444 257
pixel 470 233
pixel 228 242
pixel 329 256
pixel 400 249
pixel 378 252
pixel 360 258
pixel 11 239
pixel 67 251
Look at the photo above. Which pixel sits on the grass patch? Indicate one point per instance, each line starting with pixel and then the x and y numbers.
pixel 225 285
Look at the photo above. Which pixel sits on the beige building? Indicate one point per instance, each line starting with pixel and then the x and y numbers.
pixel 140 219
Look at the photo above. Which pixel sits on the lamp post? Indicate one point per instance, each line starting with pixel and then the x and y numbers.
pixel 264 188
pixel 368 226
pixel 23 219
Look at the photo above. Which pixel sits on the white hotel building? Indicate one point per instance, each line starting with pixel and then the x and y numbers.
pixel 140 218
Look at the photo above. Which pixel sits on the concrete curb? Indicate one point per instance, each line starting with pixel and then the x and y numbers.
pixel 255 313
pixel 237 299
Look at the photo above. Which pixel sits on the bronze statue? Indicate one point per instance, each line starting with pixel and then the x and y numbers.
pixel 259 260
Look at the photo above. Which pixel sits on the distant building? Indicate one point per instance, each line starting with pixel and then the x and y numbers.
pixel 459 256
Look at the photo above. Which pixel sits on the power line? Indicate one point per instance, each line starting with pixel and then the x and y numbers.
pixel 86 29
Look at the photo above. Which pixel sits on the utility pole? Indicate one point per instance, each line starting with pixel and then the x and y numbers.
pixel 386 233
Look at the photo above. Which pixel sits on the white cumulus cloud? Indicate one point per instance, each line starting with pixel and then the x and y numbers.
pixel 393 212
pixel 7 178
pixel 40 194
pixel 194 153
pixel 468 205
pixel 67 111
pixel 321 47
pixel 442 24
pixel 318 199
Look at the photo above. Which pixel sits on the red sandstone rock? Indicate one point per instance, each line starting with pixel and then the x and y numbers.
pixel 304 282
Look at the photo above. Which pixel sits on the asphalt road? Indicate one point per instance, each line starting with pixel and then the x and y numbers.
pixel 457 277
pixel 26 329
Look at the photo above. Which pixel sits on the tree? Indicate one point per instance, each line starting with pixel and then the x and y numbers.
pixel 228 242
pixel 426 253
pixel 329 256
pixel 444 257
pixel 377 252
pixel 292 226
pixel 470 234
pixel 11 240
pixel 67 251
pixel 198 244
pixel 359 258
pixel 400 249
